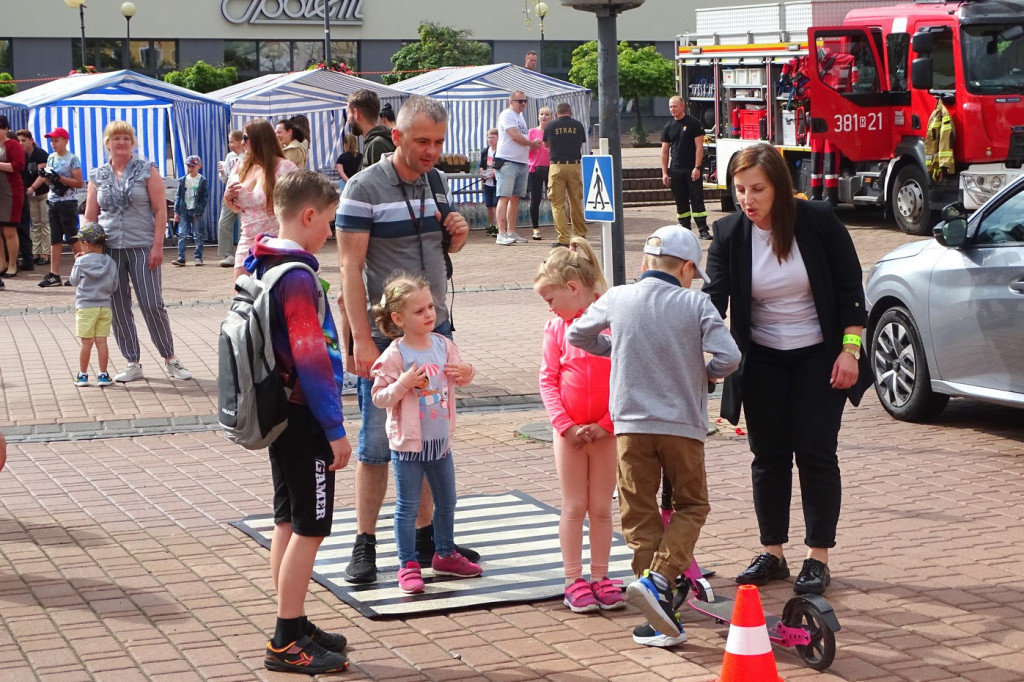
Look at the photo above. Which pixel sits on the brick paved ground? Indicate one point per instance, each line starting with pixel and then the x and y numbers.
pixel 117 563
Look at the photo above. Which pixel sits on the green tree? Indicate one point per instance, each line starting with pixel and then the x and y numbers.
pixel 438 46
pixel 7 89
pixel 202 77
pixel 642 73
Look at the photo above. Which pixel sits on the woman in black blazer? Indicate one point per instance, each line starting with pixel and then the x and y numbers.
pixel 789 274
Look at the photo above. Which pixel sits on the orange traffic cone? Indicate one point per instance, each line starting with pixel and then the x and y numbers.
pixel 748 651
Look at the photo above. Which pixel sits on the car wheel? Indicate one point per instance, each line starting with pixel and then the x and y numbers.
pixel 910 204
pixel 900 368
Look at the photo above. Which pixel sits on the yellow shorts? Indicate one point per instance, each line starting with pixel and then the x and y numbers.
pixel 90 322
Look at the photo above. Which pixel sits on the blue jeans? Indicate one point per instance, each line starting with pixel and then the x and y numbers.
pixel 189 224
pixel 409 475
pixel 373 447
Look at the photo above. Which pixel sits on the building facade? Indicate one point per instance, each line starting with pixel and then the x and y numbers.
pixel 269 36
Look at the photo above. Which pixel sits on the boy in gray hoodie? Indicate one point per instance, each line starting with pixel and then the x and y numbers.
pixel 95 275
pixel 660 331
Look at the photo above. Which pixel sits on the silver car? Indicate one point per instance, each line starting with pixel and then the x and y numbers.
pixel 947 315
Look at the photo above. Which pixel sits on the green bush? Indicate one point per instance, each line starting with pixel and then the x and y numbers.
pixel 203 77
pixel 7 89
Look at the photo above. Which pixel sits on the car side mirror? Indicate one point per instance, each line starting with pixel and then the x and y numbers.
pixel 952 233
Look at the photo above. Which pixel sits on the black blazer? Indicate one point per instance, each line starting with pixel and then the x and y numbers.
pixel 833 269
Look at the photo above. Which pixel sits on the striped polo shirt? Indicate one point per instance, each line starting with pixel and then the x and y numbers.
pixel 373 201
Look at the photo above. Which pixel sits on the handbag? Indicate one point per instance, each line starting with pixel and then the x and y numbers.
pixel 498 163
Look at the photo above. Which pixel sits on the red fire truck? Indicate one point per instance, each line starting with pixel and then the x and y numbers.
pixel 864 96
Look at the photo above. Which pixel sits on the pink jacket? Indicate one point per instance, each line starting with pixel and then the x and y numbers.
pixel 403 422
pixel 574 384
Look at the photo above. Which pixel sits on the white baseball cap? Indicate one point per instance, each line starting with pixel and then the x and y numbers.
pixel 678 242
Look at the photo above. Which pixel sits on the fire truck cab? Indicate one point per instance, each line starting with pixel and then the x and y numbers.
pixel 874 84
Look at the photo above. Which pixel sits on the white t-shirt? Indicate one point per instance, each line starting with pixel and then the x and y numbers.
pixel 509 149
pixel 782 312
pixel 191 185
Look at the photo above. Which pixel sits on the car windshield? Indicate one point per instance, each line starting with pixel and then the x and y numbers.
pixel 994 58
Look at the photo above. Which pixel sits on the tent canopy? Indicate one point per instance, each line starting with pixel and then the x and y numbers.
pixel 163 116
pixel 476 95
pixel 319 94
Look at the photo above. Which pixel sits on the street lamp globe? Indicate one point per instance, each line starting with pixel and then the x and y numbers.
pixel 74 4
pixel 541 9
pixel 127 9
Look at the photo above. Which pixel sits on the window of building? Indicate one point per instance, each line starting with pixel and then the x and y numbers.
pixel 151 57
pixel 5 55
pixel 258 57
pixel 557 57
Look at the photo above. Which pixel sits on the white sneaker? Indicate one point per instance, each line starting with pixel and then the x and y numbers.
pixel 517 238
pixel 176 370
pixel 504 240
pixel 132 372
pixel 228 262
pixel 348 386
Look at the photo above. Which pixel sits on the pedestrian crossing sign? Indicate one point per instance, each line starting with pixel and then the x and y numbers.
pixel 598 200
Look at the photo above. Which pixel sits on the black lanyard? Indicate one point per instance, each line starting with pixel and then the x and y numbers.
pixel 417 223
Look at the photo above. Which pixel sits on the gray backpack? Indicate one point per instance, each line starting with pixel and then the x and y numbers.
pixel 252 396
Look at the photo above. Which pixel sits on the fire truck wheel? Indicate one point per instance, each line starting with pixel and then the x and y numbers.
pixel 910 201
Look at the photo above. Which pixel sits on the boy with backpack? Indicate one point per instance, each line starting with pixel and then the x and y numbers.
pixel 312 445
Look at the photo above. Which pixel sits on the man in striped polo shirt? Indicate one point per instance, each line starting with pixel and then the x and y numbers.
pixel 388 221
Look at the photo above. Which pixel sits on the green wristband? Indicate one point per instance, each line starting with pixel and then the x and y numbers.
pixel 852 339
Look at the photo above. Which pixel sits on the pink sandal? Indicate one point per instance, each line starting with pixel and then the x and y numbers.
pixel 608 594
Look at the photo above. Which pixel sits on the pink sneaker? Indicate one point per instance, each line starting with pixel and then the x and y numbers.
pixel 666 514
pixel 456 565
pixel 410 581
pixel 608 594
pixel 580 598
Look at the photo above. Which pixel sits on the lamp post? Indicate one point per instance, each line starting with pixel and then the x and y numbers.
pixel 127 11
pixel 80 4
pixel 541 10
pixel 327 36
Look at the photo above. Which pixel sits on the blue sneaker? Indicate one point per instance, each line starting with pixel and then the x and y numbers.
pixel 655 603
pixel 81 379
pixel 104 379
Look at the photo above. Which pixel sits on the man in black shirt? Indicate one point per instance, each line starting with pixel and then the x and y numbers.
pixel 565 137
pixel 684 136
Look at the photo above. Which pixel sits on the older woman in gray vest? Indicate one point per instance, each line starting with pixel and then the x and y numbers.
pixel 126 196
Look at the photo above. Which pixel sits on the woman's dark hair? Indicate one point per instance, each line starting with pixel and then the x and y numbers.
pixel 783 213
pixel 387 113
pixel 4 123
pixel 300 123
pixel 264 151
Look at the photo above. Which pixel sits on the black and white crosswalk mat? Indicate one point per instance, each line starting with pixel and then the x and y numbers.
pixel 516 535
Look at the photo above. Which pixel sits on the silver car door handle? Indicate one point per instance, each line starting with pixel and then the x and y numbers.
pixel 1017 285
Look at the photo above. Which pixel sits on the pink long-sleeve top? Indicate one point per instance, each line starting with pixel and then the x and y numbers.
pixel 574 384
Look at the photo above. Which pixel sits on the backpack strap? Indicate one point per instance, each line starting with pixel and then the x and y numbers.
pixel 273 274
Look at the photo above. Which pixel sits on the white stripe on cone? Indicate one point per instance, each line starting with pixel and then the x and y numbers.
pixel 745 641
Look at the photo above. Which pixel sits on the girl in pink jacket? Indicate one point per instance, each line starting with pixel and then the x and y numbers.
pixel 414 380
pixel 574 387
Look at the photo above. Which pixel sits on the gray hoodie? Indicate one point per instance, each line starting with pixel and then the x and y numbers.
pixel 659 334
pixel 95 275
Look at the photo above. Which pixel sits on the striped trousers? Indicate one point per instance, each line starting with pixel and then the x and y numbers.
pixel 134 264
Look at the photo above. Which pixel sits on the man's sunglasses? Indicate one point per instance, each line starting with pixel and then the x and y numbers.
pixel 521 101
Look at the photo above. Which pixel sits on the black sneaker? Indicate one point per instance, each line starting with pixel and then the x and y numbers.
pixel 425 549
pixel 304 656
pixel 648 636
pixel 51 280
pixel 363 567
pixel 763 569
pixel 332 641
pixel 178 261
pixel 705 233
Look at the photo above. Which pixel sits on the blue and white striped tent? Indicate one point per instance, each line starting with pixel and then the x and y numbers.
pixel 475 95
pixel 170 122
pixel 320 95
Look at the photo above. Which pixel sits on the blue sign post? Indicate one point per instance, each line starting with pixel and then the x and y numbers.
pixel 598 189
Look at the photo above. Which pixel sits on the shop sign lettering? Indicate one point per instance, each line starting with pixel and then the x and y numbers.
pixel 291 11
